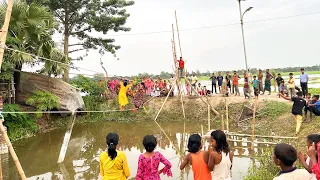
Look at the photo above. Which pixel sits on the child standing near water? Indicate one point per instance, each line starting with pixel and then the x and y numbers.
pixel 220 159
pixel 148 165
pixel 197 158
pixel 113 164
pixel 256 89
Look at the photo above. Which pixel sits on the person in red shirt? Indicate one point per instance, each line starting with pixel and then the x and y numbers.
pixel 180 66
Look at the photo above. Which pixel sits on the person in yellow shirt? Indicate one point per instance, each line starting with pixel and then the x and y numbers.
pixel 113 164
pixel 122 97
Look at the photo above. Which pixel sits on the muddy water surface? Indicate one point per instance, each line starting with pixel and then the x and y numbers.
pixel 38 155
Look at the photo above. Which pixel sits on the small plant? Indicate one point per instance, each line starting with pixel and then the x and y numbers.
pixel 19 125
pixel 264 169
pixel 43 101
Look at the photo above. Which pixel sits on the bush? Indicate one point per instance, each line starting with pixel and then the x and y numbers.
pixel 43 101
pixel 19 125
pixel 273 109
pixel 266 168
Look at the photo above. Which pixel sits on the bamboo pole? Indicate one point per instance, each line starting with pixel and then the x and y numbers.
pixel 202 130
pixel 253 121
pixel 1 177
pixel 66 140
pixel 165 100
pixel 175 12
pixel 215 111
pixel 174 49
pixel 222 122
pixel 209 126
pixel 4 30
pixel 227 115
pixel 11 150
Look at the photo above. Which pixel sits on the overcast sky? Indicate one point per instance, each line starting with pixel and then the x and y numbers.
pixel 274 43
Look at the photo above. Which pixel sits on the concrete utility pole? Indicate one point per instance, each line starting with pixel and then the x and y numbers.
pixel 241 20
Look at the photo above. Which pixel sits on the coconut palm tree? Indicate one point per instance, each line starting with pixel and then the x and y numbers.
pixel 30 30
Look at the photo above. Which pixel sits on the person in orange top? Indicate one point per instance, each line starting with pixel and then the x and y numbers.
pixel 197 158
pixel 236 83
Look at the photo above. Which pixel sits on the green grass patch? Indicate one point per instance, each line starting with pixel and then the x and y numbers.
pixel 273 109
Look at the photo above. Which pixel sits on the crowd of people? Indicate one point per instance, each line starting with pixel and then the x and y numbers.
pixel 216 163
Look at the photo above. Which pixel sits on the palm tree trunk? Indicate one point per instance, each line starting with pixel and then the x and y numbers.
pixel 17 78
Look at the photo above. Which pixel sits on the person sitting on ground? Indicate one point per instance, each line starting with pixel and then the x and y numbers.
pixel 284 156
pixel 113 163
pixel 305 159
pixel 148 164
pixel 283 89
pixel 199 89
pixel 314 107
pixel 197 158
pixel 306 109
pixel 298 104
pixel 165 84
pixel 256 86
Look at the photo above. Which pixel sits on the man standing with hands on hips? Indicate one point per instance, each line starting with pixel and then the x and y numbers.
pixel 304 78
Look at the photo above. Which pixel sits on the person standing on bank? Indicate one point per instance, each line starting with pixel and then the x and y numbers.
pixel 260 77
pixel 267 82
pixel 304 78
pixel 214 83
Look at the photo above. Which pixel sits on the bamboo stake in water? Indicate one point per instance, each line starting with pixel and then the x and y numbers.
pixel 11 150
pixel 253 121
pixel 66 140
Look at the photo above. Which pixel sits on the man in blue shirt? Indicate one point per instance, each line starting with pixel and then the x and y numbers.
pixel 314 107
pixel 304 78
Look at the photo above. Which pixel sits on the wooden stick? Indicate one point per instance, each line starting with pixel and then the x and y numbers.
pixel 202 130
pixel 222 122
pixel 259 136
pixel 11 150
pixel 1 177
pixel 4 30
pixel 165 100
pixel 66 140
pixel 209 126
pixel 215 111
pixel 227 115
pixel 174 49
pixel 175 12
pixel 253 120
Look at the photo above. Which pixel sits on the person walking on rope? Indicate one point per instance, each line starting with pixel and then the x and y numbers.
pixel 214 83
pixel 180 67
pixel 122 97
pixel 304 78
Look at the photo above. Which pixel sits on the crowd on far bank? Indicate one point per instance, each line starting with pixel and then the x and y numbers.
pixel 216 163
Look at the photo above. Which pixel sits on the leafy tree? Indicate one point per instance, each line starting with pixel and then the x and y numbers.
pixel 30 30
pixel 78 18
pixel 43 101
pixel 88 85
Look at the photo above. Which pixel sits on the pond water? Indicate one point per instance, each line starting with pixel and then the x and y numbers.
pixel 38 155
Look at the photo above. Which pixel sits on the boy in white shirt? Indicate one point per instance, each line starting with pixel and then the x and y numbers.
pixel 284 156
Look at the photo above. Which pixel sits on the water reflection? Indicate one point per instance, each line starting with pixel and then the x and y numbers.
pixel 38 155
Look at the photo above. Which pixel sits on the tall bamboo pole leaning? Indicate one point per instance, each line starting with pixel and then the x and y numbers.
pixel 253 121
pixel 4 30
pixel 175 13
pixel 3 37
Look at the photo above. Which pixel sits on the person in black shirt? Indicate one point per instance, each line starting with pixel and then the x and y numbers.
pixel 214 83
pixel 228 80
pixel 279 79
pixel 220 80
pixel 298 104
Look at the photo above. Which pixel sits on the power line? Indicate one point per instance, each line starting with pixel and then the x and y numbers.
pixel 216 26
pixel 47 59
